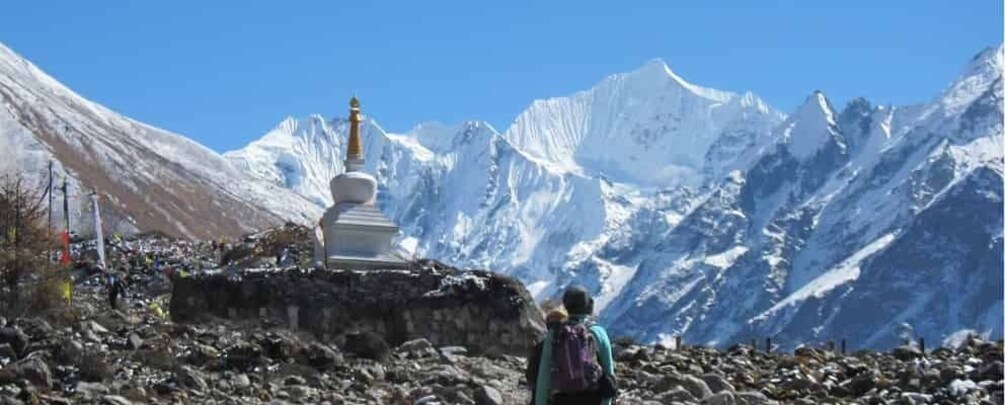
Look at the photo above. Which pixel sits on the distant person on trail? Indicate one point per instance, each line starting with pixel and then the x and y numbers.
pixel 281 256
pixel 576 363
pixel 115 287
pixel 554 319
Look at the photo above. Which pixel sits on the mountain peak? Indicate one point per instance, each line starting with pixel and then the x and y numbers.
pixel 478 125
pixel 983 70
pixel 816 104
pixel 811 125
pixel 656 70
pixel 655 66
pixel 288 124
pixel 284 134
pixel 987 62
pixel 989 53
pixel 441 137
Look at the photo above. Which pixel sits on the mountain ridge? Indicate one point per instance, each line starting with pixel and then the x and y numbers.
pixel 147 178
pixel 791 193
pixel 685 210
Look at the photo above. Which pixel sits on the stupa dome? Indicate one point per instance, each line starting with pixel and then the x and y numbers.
pixel 353 187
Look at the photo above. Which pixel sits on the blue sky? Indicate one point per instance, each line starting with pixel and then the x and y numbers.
pixel 225 72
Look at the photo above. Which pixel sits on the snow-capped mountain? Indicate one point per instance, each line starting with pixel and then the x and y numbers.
pixel 704 213
pixel 850 225
pixel 147 178
pixel 686 210
pixel 648 127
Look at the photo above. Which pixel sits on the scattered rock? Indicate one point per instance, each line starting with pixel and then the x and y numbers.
pixel 722 398
pixel 752 398
pixel 694 385
pixel 243 356
pixel 321 356
pixel 70 351
pixel 294 380
pixel 35 371
pixel 486 395
pixel 241 381
pixel 114 400
pixel 192 378
pixel 15 337
pixel 91 391
pixel 135 342
pixel 861 383
pixel 717 383
pixel 417 348
pixel 450 354
pixel 301 392
pixel 6 351
pixel 907 353
pixel 677 394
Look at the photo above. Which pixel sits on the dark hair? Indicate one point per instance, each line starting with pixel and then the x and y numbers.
pixel 577 301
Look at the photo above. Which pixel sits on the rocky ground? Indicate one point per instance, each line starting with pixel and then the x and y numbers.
pixel 91 353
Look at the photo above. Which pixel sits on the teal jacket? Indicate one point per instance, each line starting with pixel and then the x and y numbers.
pixel 542 389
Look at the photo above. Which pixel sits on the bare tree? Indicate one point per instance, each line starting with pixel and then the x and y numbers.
pixel 25 244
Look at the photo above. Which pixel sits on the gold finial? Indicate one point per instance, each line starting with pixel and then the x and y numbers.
pixel 355 151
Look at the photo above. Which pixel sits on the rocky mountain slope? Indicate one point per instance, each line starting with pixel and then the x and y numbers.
pixel 147 178
pixel 705 213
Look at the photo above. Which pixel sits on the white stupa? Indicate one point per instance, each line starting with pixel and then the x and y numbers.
pixel 353 233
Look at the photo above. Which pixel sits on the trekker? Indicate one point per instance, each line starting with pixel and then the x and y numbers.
pixel 554 319
pixel 576 365
pixel 116 286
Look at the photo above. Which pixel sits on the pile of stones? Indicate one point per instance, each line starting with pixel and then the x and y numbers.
pixel 971 374
pixel 91 353
pixel 121 357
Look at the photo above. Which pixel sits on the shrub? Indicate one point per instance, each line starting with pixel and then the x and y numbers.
pixel 289 235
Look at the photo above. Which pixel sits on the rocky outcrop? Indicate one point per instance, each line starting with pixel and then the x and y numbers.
pixel 483 311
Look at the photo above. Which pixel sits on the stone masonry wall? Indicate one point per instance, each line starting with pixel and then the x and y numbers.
pixel 483 311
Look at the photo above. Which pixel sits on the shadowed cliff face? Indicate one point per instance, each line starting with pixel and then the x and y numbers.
pixel 483 311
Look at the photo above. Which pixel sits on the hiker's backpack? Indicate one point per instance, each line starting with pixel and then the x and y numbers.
pixel 575 365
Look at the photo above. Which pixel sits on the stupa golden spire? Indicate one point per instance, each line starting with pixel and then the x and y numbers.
pixel 355 152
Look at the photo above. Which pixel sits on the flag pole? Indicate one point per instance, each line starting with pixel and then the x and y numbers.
pixel 98 233
pixel 48 227
pixel 65 259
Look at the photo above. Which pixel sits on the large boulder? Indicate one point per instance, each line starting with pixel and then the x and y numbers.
pixel 32 369
pixel 717 383
pixel 15 337
pixel 321 356
pixel 693 385
pixel 486 395
pixel 192 378
pixel 367 345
